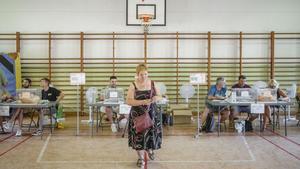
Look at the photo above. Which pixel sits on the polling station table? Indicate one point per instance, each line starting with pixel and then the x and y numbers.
pixel 39 106
pixel 222 103
pixel 96 106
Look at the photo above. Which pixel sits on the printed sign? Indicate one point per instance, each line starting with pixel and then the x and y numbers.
pixel 198 78
pixel 257 108
pixel 113 94
pixel 124 109
pixel 77 78
pixel 245 94
pixel 4 110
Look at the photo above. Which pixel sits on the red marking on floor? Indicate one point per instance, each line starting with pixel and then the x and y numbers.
pixel 1 154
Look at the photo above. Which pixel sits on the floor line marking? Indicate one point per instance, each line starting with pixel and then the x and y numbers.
pixel 14 146
pixel 248 148
pixel 118 162
pixel 284 150
pixel 38 160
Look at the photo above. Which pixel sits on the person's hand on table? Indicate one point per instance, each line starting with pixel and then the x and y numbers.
pixel 221 97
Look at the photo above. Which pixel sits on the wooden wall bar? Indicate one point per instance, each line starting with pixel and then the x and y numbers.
pixel 18 42
pixel 173 71
pixel 208 59
pixel 241 53
pixel 272 55
pixel 49 55
pixel 177 67
pixel 81 70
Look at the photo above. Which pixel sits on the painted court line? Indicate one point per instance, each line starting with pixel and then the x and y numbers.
pixel 39 159
pixel 14 146
pixel 43 149
pixel 120 162
pixel 286 138
pixel 7 137
pixel 276 145
pixel 248 148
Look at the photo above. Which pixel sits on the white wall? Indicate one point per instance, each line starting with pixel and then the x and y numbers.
pixel 34 16
pixel 182 16
pixel 106 16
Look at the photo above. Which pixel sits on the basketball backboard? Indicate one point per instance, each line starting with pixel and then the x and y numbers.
pixel 136 8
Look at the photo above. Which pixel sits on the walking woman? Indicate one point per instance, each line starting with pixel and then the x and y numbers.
pixel 142 96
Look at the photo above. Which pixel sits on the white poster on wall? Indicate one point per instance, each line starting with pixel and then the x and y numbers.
pixel 77 78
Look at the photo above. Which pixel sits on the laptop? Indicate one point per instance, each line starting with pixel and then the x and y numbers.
pixel 114 95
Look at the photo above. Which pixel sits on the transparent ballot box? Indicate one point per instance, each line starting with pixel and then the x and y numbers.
pixel 29 95
pixel 242 95
pixel 114 95
pixel 267 95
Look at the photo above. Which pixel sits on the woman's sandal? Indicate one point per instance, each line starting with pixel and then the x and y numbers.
pixel 151 155
pixel 140 163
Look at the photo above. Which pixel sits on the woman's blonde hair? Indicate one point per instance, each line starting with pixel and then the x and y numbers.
pixel 273 83
pixel 141 67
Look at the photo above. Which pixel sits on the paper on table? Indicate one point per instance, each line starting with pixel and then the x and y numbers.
pixel 245 94
pixel 113 94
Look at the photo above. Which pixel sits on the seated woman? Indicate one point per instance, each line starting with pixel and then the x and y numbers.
pixel 273 84
pixel 216 92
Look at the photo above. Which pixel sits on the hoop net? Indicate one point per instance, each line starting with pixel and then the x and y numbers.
pixel 146 20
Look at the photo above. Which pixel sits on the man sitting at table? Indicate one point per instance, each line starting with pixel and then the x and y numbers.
pixel 109 110
pixel 235 110
pixel 50 94
pixel 26 83
pixel 216 92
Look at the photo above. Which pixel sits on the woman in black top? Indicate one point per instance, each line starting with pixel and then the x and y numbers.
pixel 142 94
pixel 273 84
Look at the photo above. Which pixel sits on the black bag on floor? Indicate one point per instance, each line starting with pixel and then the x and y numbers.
pixel 209 124
pixel 248 125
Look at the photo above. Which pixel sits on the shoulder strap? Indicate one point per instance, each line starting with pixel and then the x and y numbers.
pixel 153 91
pixel 134 86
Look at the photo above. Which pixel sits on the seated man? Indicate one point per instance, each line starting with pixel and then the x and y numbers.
pixel 235 110
pixel 216 92
pixel 51 94
pixel 108 109
pixel 26 83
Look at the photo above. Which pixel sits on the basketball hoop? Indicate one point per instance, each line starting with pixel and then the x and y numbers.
pixel 146 21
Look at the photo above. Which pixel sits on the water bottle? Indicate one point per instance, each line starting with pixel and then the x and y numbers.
pixel 233 97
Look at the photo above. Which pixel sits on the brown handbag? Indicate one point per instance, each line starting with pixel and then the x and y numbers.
pixel 144 121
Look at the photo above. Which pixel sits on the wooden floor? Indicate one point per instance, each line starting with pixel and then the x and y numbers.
pixel 106 150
